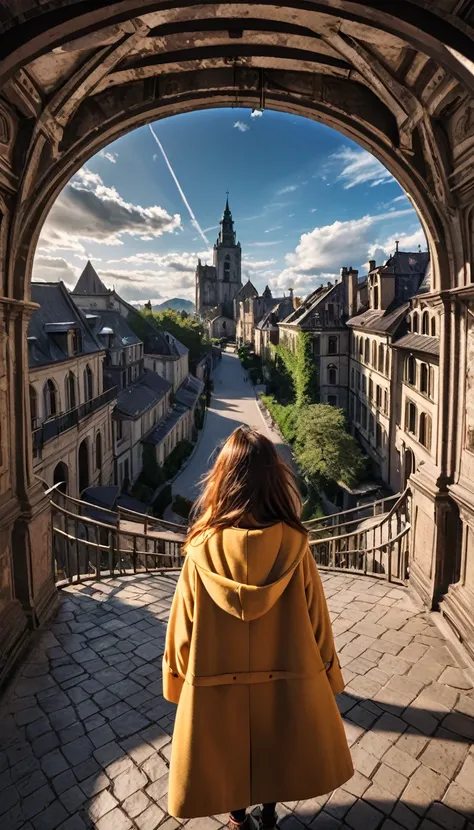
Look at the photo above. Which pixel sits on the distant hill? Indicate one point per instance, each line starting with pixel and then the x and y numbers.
pixel 177 304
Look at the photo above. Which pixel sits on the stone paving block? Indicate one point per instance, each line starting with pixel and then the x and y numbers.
pixel 64 781
pixel 340 802
pixel 78 750
pixel 400 761
pixel 101 736
pixel 73 798
pixel 116 710
pixel 392 664
pixel 406 817
pixel 363 817
pixel 375 744
pixel 357 785
pixel 107 754
pixel 115 820
pixel 353 732
pixel 363 761
pixel 460 724
pixel 50 818
pixel 128 782
pixel 137 748
pixel 413 652
pixel 136 804
pixel 158 789
pixel 95 784
pixel 459 799
pixel 427 672
pixel 325 822
pixel 465 777
pixel 37 801
pixel 155 767
pixel 389 779
pixel 445 817
pixel 85 769
pixel 120 765
pixel 197 824
pixel 443 754
pixel 430 782
pixel 362 685
pixel 391 825
pixel 362 717
pixel 419 718
pixel 100 805
pixel 392 701
pixel 465 705
pixel 381 799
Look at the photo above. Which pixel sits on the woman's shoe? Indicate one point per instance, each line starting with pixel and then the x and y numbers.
pixel 248 824
pixel 264 825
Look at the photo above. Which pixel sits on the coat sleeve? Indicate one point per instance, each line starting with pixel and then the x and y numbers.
pixel 178 635
pixel 320 620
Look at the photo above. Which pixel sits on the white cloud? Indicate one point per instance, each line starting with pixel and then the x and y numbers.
pixel 271 230
pixel 328 247
pixel 261 244
pixel 288 189
pixel 239 125
pixel 89 210
pixel 357 166
pixel 313 210
pixel 54 269
pixel 256 114
pixel 401 198
pixel 112 157
pixel 380 251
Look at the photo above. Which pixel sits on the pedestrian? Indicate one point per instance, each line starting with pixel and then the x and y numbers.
pixel 249 655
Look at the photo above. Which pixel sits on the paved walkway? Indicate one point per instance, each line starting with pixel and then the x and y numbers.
pixel 85 734
pixel 233 402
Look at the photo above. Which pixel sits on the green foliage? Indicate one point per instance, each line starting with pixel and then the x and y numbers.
pixel 162 501
pixel 285 416
pixel 280 383
pixel 176 457
pixel 325 450
pixel 312 508
pixel 188 330
pixel 182 507
pixel 151 475
pixel 142 492
pixel 300 367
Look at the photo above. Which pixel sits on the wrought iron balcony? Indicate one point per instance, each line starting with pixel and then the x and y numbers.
pixel 67 420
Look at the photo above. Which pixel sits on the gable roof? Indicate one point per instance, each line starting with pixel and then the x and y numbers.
pixel 418 343
pixel 136 399
pixel 109 318
pixel 89 282
pixel 384 322
pixel 308 305
pixel 247 290
pixel 57 313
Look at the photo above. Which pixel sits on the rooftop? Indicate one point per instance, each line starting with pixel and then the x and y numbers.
pixel 85 736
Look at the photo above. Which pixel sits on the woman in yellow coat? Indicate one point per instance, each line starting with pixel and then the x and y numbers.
pixel 250 657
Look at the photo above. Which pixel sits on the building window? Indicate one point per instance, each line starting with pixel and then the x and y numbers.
pixel 424 379
pixel 410 370
pixel 76 341
pixel 361 347
pixel 332 345
pixel 358 381
pixel 88 383
pixel 33 407
pixel 332 400
pixel 364 417
pixel 371 389
pixel 332 375
pixel 371 424
pixel 316 346
pixel 415 322
pixel 381 356
pixel 364 384
pixel 425 323
pixel 378 396
pixel 425 430
pixel 385 402
pixel 227 269
pixel 352 406
pixel 98 451
pixel 367 350
pixel 379 437
pixel 352 378
pixel 411 417
pixel 387 363
pixel 119 430
pixel 376 296
pixel 433 326
pixel 70 391
pixel 358 411
pixel 51 402
pixel 374 354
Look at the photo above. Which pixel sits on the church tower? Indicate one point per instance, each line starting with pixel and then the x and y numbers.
pixel 228 262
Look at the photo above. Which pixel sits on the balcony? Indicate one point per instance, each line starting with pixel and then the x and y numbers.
pixel 67 420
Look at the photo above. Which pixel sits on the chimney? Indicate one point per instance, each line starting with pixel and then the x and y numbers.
pixel 396 246
pixel 349 279
pixel 292 299
pixel 372 265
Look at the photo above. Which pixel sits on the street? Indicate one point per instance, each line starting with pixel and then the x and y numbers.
pixel 233 402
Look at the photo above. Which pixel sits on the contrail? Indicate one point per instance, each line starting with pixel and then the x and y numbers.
pixel 188 206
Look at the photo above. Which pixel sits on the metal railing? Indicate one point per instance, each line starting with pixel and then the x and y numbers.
pixel 67 420
pixel 85 548
pixel 125 542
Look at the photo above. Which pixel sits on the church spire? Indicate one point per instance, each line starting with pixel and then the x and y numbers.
pixel 227 233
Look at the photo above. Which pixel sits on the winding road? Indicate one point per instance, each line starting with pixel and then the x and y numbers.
pixel 233 402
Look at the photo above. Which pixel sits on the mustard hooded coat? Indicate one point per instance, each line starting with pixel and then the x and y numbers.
pixel 250 661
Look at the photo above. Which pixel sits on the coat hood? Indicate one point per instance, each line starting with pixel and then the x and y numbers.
pixel 245 571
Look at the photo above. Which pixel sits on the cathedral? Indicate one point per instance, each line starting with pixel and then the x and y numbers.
pixel 218 284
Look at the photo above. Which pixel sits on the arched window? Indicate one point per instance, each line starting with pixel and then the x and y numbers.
pixel 98 451
pixel 332 374
pixel 414 321
pixel 425 322
pixel 374 354
pixel 381 356
pixel 411 417
pixel 424 379
pixel 76 341
pixel 83 459
pixel 123 359
pixel 410 370
pixel 70 391
pixel 88 383
pixel 227 268
pixel 387 363
pixel 433 326
pixel 425 430
pixel 33 407
pixel 367 350
pixel 51 399
pixel 361 347
pixel 332 345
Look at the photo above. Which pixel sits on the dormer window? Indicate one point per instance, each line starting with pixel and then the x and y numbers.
pixel 77 341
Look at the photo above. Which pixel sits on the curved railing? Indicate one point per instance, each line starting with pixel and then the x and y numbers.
pixel 126 542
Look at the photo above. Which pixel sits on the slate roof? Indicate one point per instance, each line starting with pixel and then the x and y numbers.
pixel 57 308
pixel 418 343
pixel 282 309
pixel 309 304
pixel 188 393
pixel 141 395
pixel 385 322
pixel 408 262
pixel 247 290
pixel 109 318
pixel 160 432
pixel 89 282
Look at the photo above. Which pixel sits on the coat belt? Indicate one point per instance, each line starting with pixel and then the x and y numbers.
pixel 247 677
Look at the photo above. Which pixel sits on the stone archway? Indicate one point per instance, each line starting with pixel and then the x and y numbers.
pixel 83 466
pixel 61 476
pixel 398 79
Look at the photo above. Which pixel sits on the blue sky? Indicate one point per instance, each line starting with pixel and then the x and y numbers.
pixel 305 201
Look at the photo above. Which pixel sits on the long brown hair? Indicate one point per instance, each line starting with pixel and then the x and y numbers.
pixel 248 480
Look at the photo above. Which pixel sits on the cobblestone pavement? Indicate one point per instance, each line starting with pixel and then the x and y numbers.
pixel 85 734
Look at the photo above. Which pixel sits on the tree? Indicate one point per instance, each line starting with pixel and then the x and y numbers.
pixel 188 330
pixel 325 450
pixel 299 365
